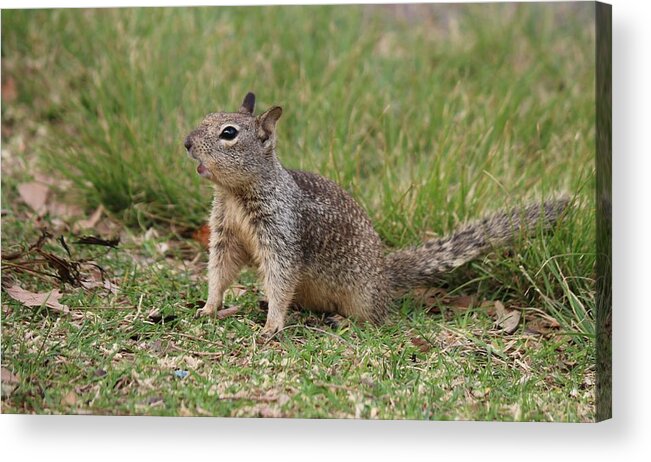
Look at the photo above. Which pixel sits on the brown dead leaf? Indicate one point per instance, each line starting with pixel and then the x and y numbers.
pixel 430 298
pixel 49 180
pixel 151 234
pixel 236 291
pixel 423 345
pixel 226 312
pixel 157 317
pixel 202 235
pixel 35 195
pixel 184 411
pixel 204 412
pixel 27 298
pixel 92 221
pixel 162 247
pixel 268 412
pixel 507 319
pixel 461 303
pixel 9 382
pixel 542 326
pixel 433 298
pixel 489 306
pixel 195 304
pixel 9 90
pixel 63 210
pixel 70 399
pixel 155 401
pixel 101 284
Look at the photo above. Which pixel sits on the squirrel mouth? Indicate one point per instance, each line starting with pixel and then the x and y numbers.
pixel 202 170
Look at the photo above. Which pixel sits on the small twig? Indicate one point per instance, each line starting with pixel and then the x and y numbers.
pixel 139 306
pixel 65 246
pixel 19 267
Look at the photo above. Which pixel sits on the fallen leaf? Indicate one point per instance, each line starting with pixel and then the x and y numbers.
pixel 91 221
pixel 9 382
pixel 507 319
pixel 195 304
pixel 226 312
pixel 62 210
pixel 162 247
pixel 184 411
pixel 461 303
pixel 423 345
pixel 269 412
pixel 203 411
pixel 430 298
pixel 283 399
pixel 156 317
pixel 105 284
pixel 70 399
pixel 9 90
pixel 155 401
pixel 35 195
pixel 191 362
pixel 359 408
pixel 489 306
pixel 27 298
pixel 97 278
pixel 202 235
pixel 542 326
pixel 151 234
pixel 236 291
pixel 46 179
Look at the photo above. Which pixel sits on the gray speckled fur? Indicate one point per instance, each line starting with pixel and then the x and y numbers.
pixel 312 244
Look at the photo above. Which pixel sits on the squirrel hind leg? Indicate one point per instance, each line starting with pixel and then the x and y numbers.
pixel 365 306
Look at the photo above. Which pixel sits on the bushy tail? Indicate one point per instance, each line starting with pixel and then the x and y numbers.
pixel 419 266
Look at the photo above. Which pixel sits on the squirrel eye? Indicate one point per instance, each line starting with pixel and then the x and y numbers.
pixel 228 133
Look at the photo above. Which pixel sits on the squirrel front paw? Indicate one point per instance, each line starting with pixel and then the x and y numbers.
pixel 271 328
pixel 207 310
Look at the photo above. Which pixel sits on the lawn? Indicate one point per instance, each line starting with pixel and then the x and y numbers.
pixel 428 115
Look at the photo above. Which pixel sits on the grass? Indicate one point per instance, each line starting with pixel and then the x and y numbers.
pixel 428 115
pixel 109 357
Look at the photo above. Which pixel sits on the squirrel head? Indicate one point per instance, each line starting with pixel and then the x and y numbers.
pixel 235 148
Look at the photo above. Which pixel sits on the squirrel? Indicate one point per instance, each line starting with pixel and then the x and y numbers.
pixel 313 245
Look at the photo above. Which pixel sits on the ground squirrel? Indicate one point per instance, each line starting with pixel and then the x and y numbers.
pixel 312 244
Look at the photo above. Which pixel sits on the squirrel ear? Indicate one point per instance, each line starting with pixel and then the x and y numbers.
pixel 248 104
pixel 267 122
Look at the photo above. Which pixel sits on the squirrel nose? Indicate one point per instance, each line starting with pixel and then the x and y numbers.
pixel 187 143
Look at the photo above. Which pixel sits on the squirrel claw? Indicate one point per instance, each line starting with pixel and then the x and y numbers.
pixel 268 332
pixel 205 312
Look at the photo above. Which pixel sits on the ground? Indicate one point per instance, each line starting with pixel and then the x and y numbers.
pixel 499 110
